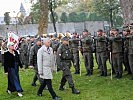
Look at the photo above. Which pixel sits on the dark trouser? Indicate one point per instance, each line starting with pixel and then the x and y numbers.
pixel 126 62
pixel 101 60
pixel 47 82
pixel 130 57
pixel 96 59
pixel 26 61
pixel 76 62
pixel 2 59
pixel 88 61
pixel 36 76
pixel 67 76
pixel 117 60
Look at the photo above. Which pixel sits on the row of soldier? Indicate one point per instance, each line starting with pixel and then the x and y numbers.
pixel 118 48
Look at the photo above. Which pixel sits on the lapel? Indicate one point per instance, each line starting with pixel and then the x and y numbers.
pixel 45 49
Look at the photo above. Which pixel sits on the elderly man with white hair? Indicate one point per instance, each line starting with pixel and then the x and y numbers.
pixel 45 61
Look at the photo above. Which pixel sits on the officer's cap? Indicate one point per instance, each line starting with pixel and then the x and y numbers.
pixel 38 39
pixel 114 29
pixel 85 30
pixel 100 30
pixel 65 38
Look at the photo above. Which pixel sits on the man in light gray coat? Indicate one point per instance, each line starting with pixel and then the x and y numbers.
pixel 45 61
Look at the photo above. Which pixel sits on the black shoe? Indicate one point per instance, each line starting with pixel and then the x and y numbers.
pixel 131 78
pixel 77 72
pixel 61 88
pixel 39 95
pixel 117 75
pixel 105 74
pixel 74 91
pixel 33 84
pixel 57 98
pixel 88 74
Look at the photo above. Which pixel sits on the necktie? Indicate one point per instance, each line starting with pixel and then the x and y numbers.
pixel 48 50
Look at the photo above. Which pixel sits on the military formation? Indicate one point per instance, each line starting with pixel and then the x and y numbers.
pixel 115 47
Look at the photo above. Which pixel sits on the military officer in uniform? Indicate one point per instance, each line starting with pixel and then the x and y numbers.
pixel 74 44
pixel 86 44
pixel 130 50
pixel 64 57
pixel 24 52
pixel 116 50
pixel 126 33
pixel 101 52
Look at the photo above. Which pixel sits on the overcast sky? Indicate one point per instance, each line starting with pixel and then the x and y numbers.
pixel 11 6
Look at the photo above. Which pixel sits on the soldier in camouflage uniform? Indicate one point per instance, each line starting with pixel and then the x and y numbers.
pixel 64 57
pixel 126 33
pixel 101 52
pixel 117 50
pixel 86 44
pixel 74 44
pixel 24 53
pixel 33 59
pixel 55 45
pixel 130 51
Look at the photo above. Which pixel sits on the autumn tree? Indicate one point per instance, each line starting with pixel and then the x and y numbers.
pixel 7 18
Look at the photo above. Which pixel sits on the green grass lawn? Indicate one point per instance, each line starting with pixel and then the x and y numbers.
pixel 91 88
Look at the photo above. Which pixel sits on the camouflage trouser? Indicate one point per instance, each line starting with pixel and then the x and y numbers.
pixel 117 59
pixel 126 62
pixel 88 61
pixel 101 60
pixel 76 61
pixel 66 76
pixel 130 57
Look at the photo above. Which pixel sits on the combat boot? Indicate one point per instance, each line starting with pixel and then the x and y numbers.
pixel 61 88
pixel 102 73
pixel 88 73
pixel 74 91
pixel 131 78
pixel 117 75
pixel 105 74
pixel 120 75
pixel 77 72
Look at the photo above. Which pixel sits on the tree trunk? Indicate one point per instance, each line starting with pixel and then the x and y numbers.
pixel 43 19
pixel 127 11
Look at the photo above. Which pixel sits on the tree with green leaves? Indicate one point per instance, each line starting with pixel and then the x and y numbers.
pixel 73 17
pixel 55 17
pixel 7 18
pixel 64 17
pixel 82 16
pixel 35 12
pixel 107 9
pixel 51 5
